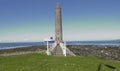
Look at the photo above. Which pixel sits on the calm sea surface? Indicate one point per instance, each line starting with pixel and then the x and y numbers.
pixel 26 44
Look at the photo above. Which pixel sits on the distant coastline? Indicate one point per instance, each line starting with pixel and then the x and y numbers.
pixel 13 45
pixel 106 52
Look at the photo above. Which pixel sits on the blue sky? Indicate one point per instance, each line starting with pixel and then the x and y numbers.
pixel 33 20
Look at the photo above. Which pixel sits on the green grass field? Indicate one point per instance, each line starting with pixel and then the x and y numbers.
pixel 42 62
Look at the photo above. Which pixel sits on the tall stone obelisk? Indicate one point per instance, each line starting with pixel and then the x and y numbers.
pixel 58 48
pixel 58 25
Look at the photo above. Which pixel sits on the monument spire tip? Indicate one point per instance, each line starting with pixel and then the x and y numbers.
pixel 58 5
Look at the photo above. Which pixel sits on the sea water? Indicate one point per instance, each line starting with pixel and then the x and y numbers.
pixel 12 45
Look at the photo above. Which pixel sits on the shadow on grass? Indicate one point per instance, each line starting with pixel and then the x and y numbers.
pixel 106 65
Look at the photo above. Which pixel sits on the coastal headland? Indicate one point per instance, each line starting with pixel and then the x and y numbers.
pixel 101 51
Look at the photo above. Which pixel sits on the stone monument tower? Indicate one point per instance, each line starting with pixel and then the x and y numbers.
pixel 59 48
pixel 58 25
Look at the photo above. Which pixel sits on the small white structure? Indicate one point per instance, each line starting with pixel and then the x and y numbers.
pixel 63 48
pixel 47 40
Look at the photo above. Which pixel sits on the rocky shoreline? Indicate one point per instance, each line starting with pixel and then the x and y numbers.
pixel 107 52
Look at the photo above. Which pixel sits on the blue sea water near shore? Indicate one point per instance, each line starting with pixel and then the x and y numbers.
pixel 12 45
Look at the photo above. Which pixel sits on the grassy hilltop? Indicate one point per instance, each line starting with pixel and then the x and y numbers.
pixel 42 62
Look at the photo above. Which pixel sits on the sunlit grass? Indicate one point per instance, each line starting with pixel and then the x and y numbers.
pixel 42 62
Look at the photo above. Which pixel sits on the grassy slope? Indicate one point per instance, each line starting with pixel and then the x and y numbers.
pixel 41 62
